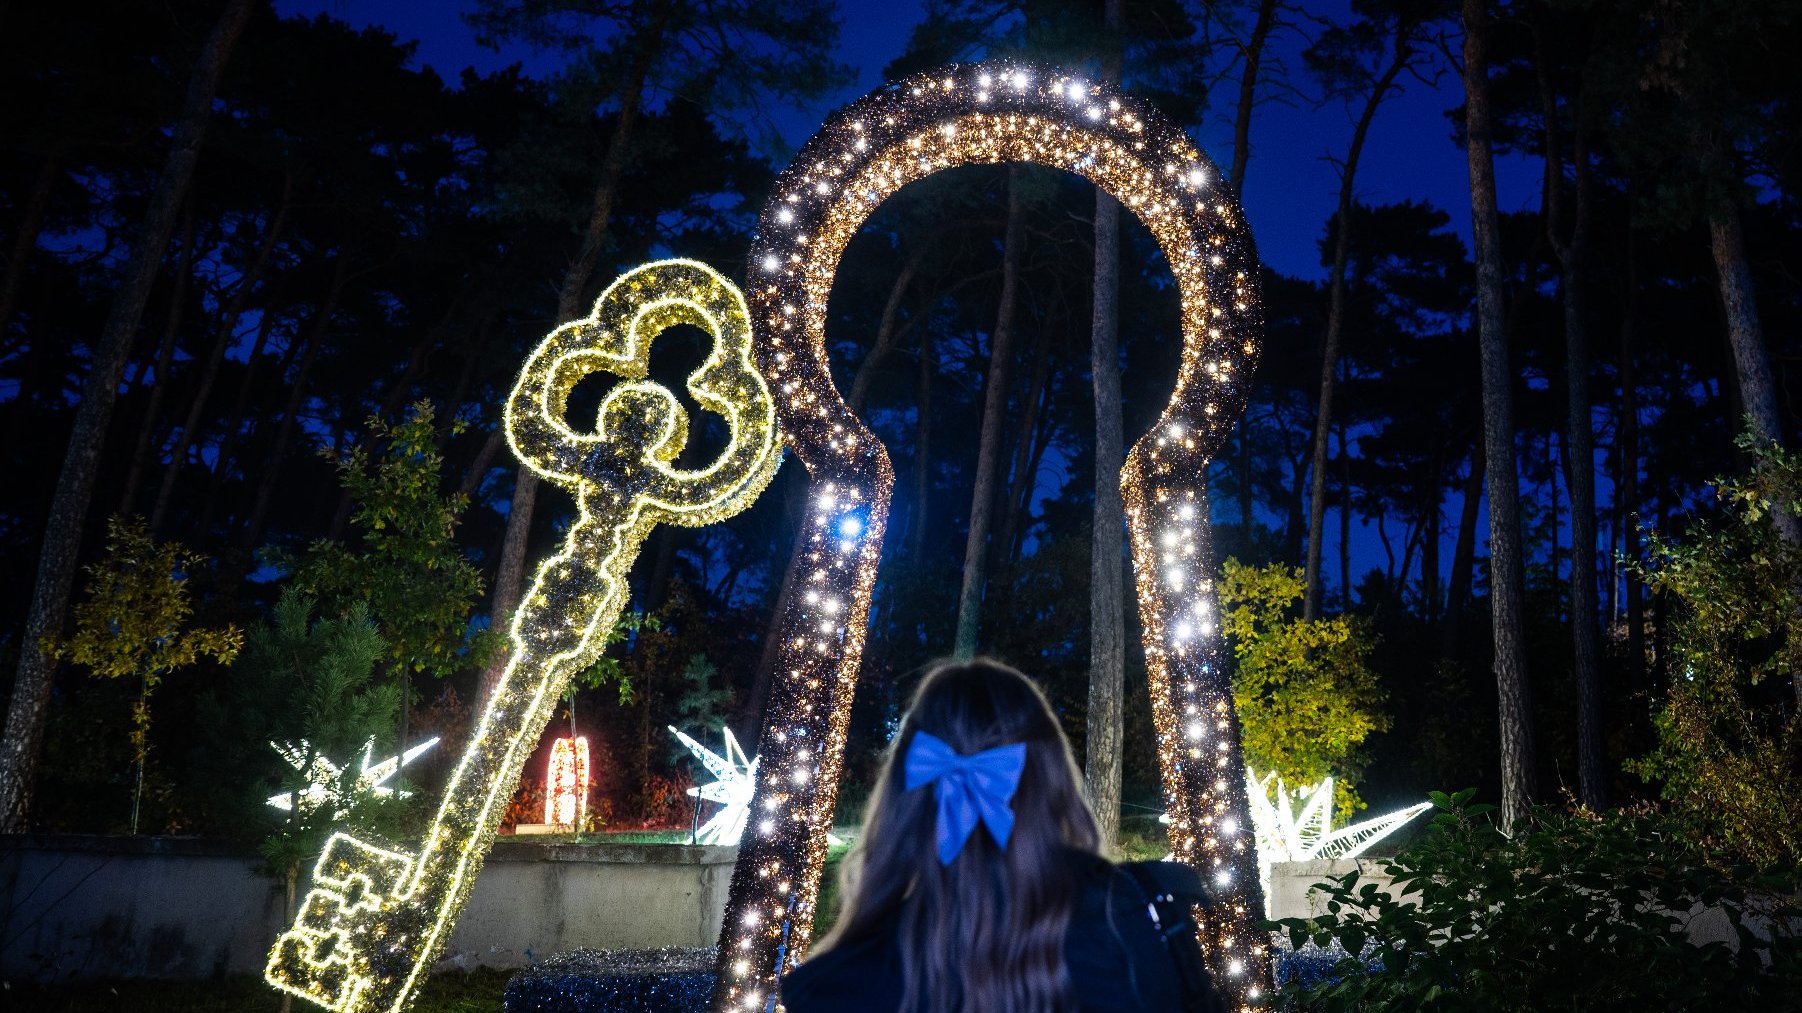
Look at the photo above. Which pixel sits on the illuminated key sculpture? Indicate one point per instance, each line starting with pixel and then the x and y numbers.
pixel 378 916
pixel 903 132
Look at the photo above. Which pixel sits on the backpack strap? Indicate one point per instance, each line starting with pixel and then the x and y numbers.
pixel 1171 891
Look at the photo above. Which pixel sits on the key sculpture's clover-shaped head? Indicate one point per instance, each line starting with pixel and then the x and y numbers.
pixel 623 468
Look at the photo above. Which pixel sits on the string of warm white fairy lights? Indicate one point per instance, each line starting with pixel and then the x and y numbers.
pixel 964 115
pixel 376 917
pixel 566 784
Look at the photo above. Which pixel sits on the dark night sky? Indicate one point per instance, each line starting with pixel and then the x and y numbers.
pixel 1290 190
pixel 1291 186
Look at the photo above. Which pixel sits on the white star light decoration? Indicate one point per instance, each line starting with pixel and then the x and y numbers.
pixel 323 776
pixel 735 778
pixel 1297 826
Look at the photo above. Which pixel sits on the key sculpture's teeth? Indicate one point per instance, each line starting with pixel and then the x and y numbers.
pixel 329 955
pixel 375 919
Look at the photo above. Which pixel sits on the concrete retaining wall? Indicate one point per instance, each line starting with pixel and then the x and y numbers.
pixel 75 907
pixel 1292 893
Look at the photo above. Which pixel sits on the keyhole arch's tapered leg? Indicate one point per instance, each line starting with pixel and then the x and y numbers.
pixel 800 760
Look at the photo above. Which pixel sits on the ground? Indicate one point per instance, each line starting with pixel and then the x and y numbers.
pixel 475 992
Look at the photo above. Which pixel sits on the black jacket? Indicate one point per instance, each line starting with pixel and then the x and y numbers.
pixel 1116 961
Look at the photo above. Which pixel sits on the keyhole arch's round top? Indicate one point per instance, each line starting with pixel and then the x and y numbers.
pixel 974 114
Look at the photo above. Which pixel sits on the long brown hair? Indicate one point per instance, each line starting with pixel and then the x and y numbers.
pixel 984 934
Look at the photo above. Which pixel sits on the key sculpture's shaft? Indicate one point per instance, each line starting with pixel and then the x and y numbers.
pixel 377 917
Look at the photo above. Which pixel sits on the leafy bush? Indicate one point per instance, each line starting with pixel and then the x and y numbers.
pixel 1574 911
pixel 1306 697
pixel 136 622
pixel 1729 754
pixel 404 563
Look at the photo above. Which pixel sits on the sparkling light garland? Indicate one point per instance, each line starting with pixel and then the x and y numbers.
pixel 566 783
pixel 1296 824
pixel 734 779
pixel 325 778
pixel 377 917
pixel 903 132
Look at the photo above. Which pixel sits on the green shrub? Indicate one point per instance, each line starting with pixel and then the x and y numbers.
pixel 1571 912
pixel 1306 695
pixel 1728 758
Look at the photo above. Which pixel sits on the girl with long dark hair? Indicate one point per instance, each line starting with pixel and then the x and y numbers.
pixel 977 885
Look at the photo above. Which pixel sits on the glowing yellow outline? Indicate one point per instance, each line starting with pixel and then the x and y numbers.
pixel 409 901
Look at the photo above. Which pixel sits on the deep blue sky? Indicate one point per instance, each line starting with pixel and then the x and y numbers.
pixel 1290 188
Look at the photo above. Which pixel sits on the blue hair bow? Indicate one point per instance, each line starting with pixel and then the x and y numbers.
pixel 973 789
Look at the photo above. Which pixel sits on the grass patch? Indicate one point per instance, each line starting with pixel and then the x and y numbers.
pixel 477 991
pixel 826 910
pixel 609 837
pixel 1142 839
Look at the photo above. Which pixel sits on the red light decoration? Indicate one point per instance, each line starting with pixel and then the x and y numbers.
pixel 566 783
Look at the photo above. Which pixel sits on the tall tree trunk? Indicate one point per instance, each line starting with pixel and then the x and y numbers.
pixel 1027 448
pixel 922 447
pixel 482 462
pixel 1572 251
pixel 1410 541
pixel 1757 389
pixel 1745 333
pixel 1628 492
pixel 886 330
pixel 1295 507
pixel 1554 464
pixel 297 396
pixel 222 341
pixel 1245 479
pixel 1253 53
pixel 1464 551
pixel 1345 513
pixel 510 571
pixel 1515 707
pixel 994 420
pixel 290 880
pixel 1335 321
pixel 57 559
pixel 1102 766
pixel 1431 491
pixel 25 240
pixel 165 354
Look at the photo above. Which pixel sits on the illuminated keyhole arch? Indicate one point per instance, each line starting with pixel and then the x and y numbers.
pixel 966 115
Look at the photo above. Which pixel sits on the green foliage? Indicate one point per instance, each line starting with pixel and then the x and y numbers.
pixel 1703 95
pixel 312 682
pixel 1571 912
pixel 1728 757
pixel 606 670
pixel 702 700
pixel 134 622
pixel 407 568
pixel 1306 697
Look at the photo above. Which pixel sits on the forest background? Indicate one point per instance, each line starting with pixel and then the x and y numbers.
pixel 267 276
